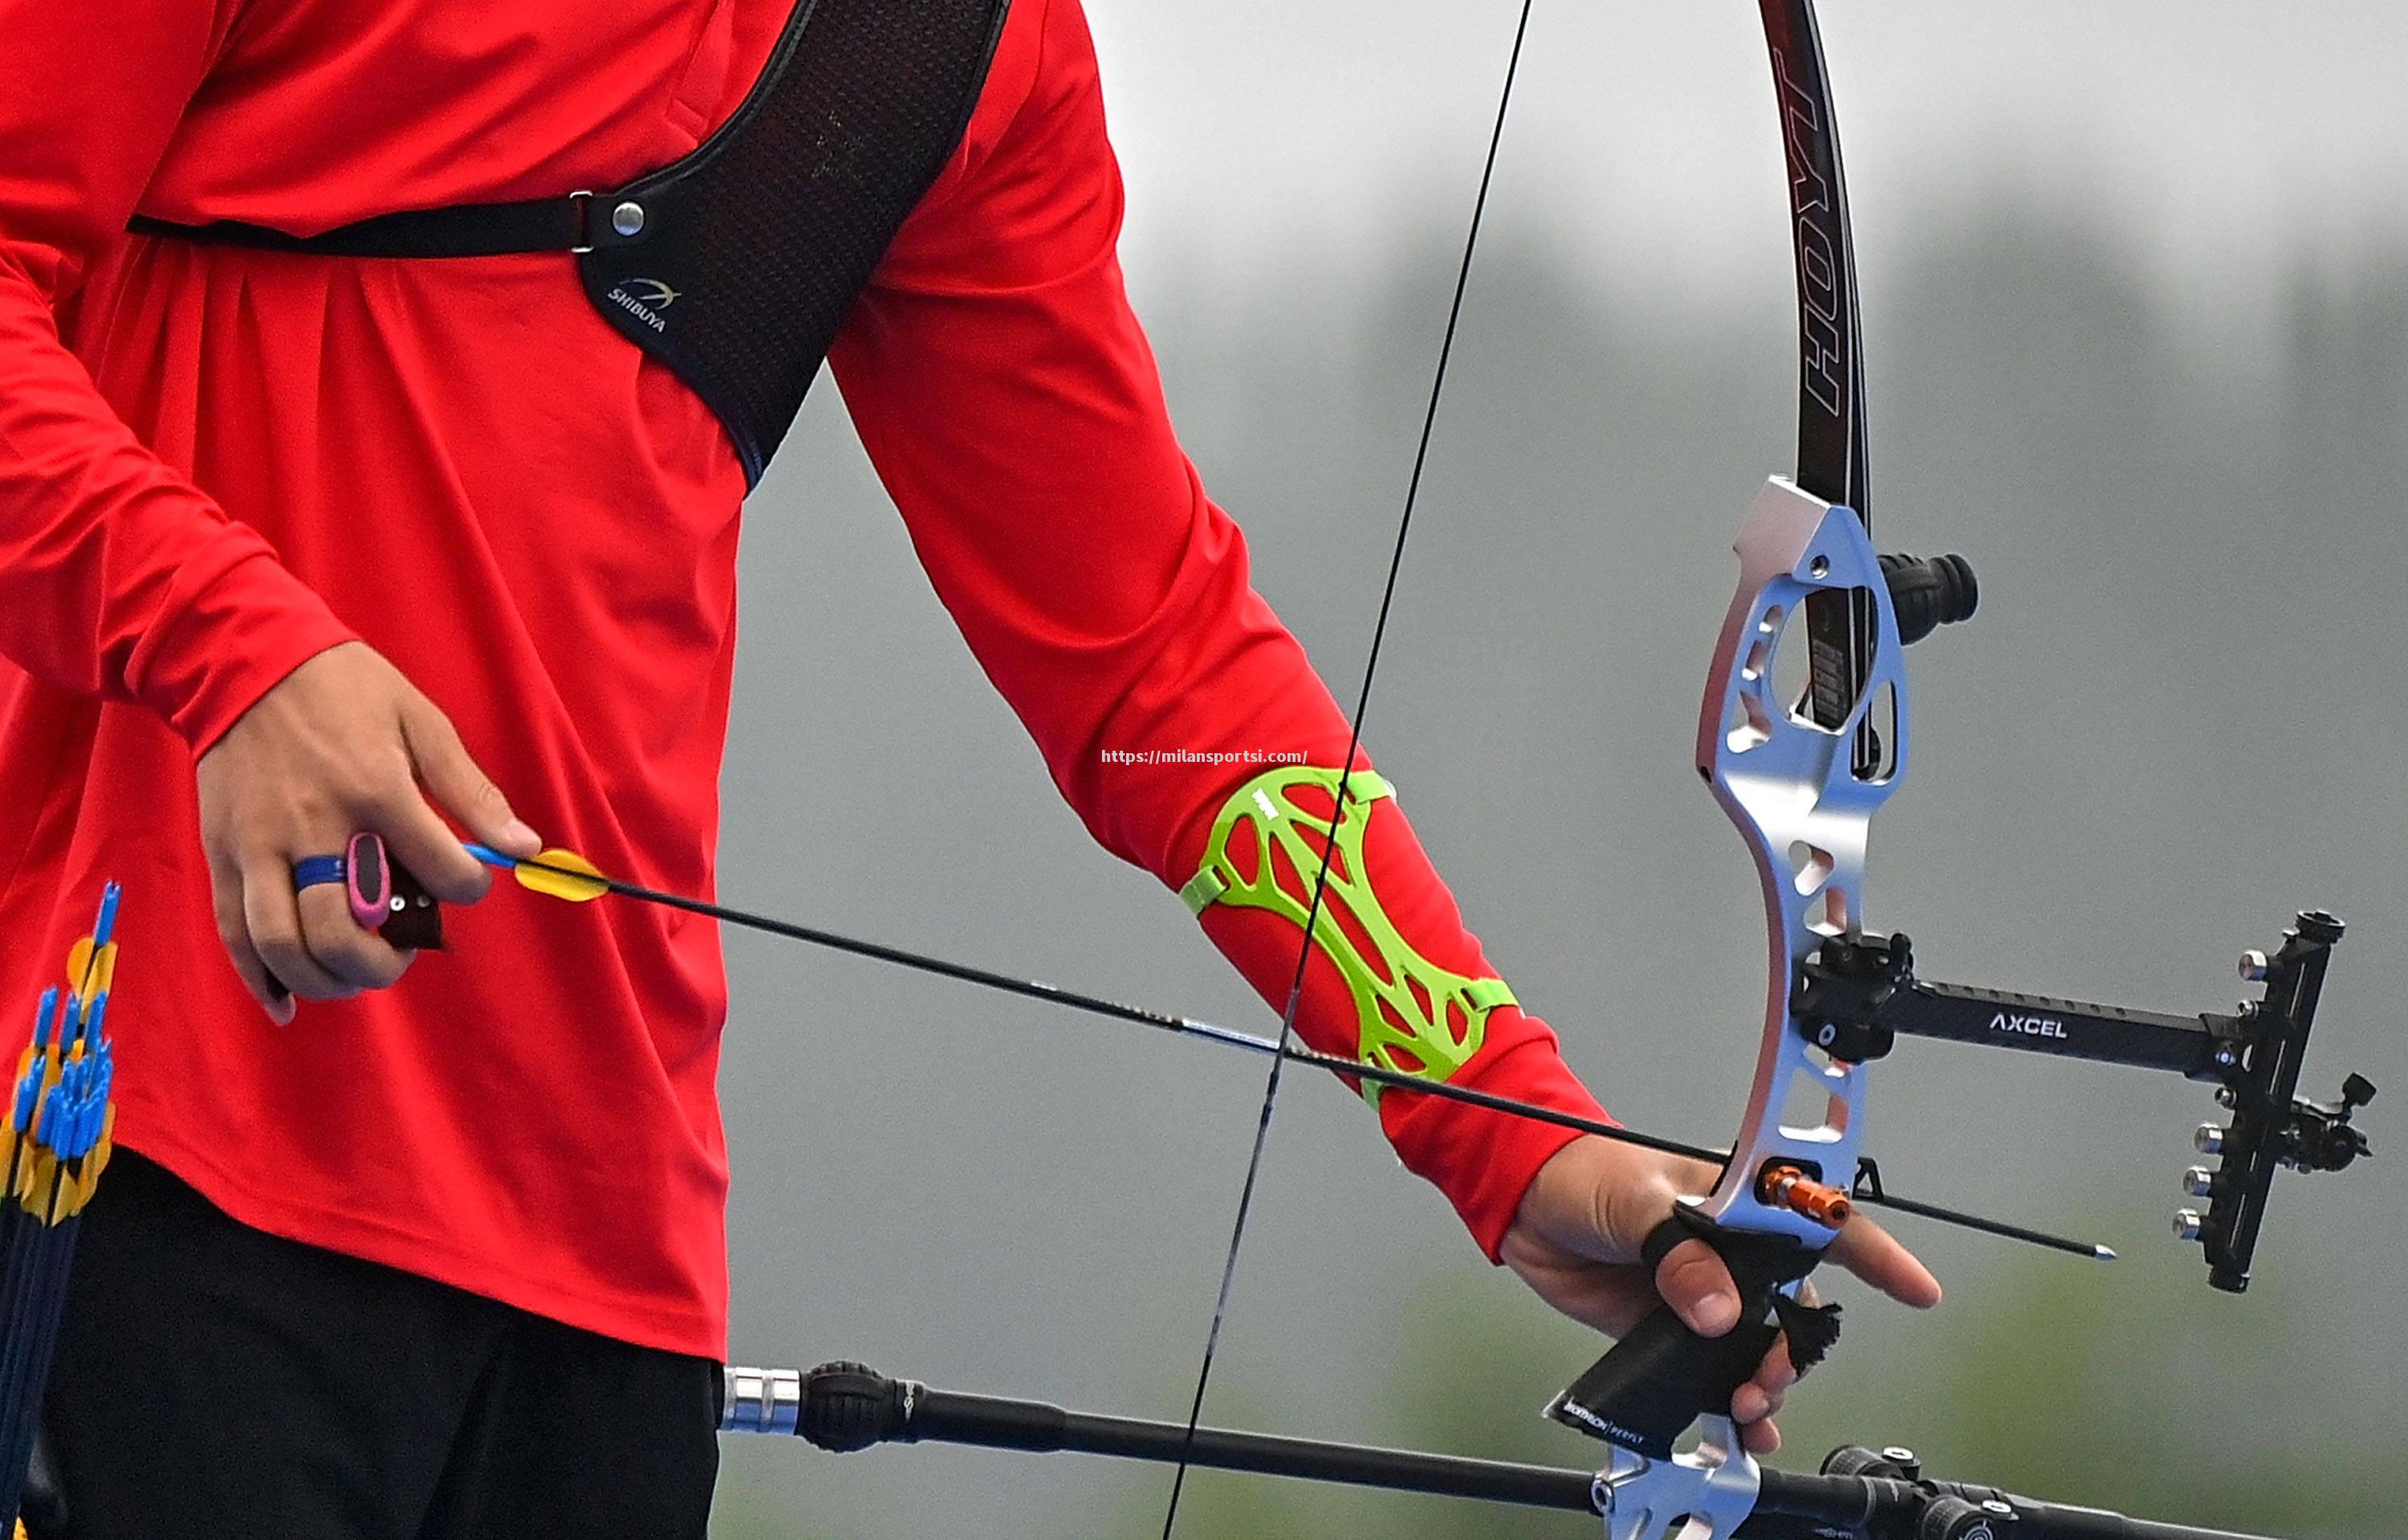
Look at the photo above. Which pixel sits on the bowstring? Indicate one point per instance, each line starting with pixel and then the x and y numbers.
pixel 1346 769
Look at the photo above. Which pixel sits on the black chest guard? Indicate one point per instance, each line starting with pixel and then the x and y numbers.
pixel 736 264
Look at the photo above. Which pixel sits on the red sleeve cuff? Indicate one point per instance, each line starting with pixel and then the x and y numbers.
pixel 230 631
pixel 1483 1160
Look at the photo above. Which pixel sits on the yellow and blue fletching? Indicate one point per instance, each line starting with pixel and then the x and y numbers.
pixel 554 873
pixel 563 874
pixel 94 969
pixel 57 1134
pixel 91 962
pixel 35 1069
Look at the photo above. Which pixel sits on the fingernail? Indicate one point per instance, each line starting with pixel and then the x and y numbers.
pixel 1717 1313
pixel 517 835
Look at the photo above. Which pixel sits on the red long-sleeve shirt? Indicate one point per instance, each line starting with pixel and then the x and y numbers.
pixel 215 463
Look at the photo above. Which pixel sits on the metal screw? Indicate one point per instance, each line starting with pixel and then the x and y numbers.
pixel 628 218
pixel 2199 1182
pixel 2253 967
pixel 2186 1224
pixel 2209 1140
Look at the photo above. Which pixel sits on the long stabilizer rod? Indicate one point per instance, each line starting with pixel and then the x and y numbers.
pixel 845 1407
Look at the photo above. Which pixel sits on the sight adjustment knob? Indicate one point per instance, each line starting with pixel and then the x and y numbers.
pixel 1955 1519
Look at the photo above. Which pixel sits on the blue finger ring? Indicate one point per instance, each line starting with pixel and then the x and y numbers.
pixel 317 871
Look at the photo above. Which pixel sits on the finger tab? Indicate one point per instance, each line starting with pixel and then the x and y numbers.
pixel 367 879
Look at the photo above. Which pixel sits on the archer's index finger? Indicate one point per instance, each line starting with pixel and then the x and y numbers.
pixel 1873 1254
pixel 422 844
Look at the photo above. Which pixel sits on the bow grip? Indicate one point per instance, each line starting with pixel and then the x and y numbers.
pixel 1660 1376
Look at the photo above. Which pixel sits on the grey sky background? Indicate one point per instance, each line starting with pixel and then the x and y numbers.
pixel 2136 289
pixel 2223 140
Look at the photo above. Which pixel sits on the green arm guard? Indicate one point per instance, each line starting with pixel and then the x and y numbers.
pixel 1412 1015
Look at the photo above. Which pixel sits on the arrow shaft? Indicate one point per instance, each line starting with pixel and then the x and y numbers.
pixel 1285 1050
pixel 1144 1016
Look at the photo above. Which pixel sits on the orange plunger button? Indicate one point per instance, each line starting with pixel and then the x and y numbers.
pixel 1787 1187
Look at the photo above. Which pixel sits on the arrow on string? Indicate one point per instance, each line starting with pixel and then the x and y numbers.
pixel 566 875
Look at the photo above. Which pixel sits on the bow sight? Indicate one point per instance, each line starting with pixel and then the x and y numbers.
pixel 1856 994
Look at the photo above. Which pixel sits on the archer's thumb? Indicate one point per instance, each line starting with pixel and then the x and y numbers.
pixel 458 786
pixel 1699 1287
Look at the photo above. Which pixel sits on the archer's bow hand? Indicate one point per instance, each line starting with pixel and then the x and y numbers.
pixel 1578 1237
pixel 344 744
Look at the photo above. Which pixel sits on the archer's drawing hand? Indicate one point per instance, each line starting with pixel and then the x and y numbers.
pixel 343 744
pixel 1576 1242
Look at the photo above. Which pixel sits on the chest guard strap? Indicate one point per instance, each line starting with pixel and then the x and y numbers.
pixel 736 264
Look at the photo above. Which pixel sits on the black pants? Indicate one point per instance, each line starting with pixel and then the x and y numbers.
pixel 216 1381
